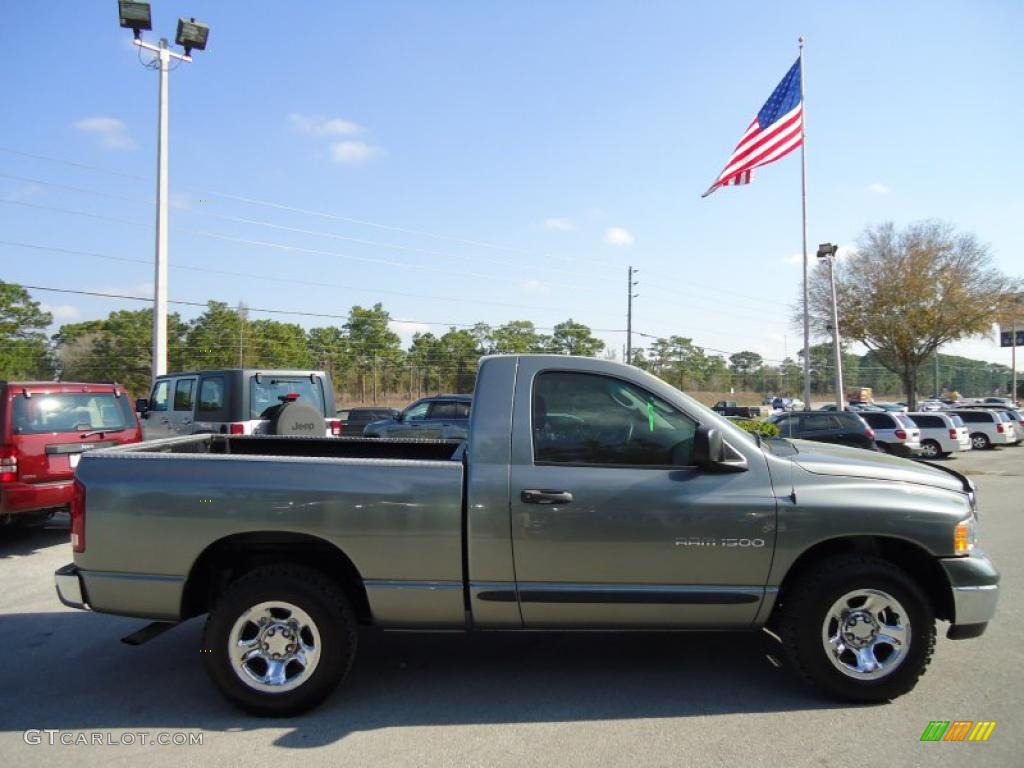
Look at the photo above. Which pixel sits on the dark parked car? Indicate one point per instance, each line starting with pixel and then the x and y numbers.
pixel 354 420
pixel 839 428
pixel 443 417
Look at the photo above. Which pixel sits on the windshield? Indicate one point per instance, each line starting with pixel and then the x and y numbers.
pixel 957 421
pixel 266 393
pixel 905 420
pixel 66 412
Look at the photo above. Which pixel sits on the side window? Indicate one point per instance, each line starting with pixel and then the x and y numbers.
pixel 816 422
pixel 418 411
pixel 462 410
pixel 877 420
pixel 442 410
pixel 211 394
pixel 583 418
pixel 183 394
pixel 161 394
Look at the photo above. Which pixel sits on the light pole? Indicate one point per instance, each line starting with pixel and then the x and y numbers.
pixel 191 34
pixel 827 251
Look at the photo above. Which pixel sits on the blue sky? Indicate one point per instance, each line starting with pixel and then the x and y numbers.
pixel 494 161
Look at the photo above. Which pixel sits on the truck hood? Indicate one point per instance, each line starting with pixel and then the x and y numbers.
pixel 840 461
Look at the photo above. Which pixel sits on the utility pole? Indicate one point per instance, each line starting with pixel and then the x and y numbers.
pixel 936 389
pixel 630 285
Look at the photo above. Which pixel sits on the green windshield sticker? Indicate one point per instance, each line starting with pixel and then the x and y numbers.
pixel 650 415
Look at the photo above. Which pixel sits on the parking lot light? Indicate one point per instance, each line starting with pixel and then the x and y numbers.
pixel 135 16
pixel 191 34
pixel 827 251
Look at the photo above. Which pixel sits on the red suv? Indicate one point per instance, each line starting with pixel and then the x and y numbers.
pixel 44 428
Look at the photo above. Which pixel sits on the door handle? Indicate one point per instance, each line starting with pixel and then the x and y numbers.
pixel 532 496
pixel 186 421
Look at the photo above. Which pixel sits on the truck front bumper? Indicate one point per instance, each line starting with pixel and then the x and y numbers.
pixel 975 585
pixel 69 587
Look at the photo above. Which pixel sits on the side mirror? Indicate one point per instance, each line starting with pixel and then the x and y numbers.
pixel 142 405
pixel 708 450
pixel 399 416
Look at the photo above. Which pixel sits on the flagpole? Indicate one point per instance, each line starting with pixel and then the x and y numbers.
pixel 803 206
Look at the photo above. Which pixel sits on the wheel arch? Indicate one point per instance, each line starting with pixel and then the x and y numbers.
pixel 228 558
pixel 922 566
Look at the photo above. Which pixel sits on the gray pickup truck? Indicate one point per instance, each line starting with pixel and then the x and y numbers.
pixel 588 495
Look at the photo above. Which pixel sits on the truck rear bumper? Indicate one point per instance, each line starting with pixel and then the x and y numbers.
pixel 975 585
pixel 142 595
pixel 69 587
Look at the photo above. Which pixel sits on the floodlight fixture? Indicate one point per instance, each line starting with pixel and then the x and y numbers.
pixel 827 249
pixel 134 16
pixel 191 34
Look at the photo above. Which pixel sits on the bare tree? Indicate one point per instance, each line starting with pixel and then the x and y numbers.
pixel 905 293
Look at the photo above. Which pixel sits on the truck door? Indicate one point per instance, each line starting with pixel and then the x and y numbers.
pixel 182 413
pixel 156 422
pixel 611 523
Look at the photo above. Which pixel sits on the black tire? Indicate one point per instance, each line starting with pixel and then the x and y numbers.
pixel 980 441
pixel 931 449
pixel 807 604
pixel 321 599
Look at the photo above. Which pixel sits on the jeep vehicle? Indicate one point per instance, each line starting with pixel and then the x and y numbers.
pixel 240 401
pixel 45 427
pixel 588 495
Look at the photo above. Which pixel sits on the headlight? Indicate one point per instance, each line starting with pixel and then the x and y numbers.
pixel 965 535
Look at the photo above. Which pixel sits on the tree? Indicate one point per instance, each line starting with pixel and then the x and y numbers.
pixel 219 338
pixel 905 293
pixel 572 338
pixel 122 350
pixel 23 352
pixel 518 337
pixel 745 365
pixel 374 347
pixel 279 345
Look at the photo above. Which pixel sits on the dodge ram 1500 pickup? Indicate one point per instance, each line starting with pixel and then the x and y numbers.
pixel 588 495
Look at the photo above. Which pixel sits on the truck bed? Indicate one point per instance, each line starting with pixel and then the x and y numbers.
pixel 393 506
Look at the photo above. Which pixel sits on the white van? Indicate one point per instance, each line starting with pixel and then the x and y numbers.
pixel 941 434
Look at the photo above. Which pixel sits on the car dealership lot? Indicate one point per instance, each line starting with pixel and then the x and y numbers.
pixel 528 699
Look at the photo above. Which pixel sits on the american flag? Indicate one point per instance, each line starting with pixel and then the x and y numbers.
pixel 776 131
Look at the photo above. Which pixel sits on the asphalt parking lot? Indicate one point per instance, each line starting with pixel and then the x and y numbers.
pixel 503 700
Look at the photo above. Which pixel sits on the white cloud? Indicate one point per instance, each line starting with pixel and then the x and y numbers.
pixel 559 225
pixel 112 132
pixel 351 152
pixel 61 311
pixel 878 188
pixel 618 236
pixel 323 126
pixel 406 329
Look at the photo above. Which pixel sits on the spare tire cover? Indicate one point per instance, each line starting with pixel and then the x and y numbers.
pixel 297 419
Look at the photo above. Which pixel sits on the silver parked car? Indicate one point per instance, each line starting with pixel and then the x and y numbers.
pixel 941 434
pixel 894 432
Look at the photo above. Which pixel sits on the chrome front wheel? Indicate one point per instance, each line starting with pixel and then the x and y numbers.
pixel 274 647
pixel 866 634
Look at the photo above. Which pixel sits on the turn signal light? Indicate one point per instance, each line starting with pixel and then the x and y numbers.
pixel 963 537
pixel 952 434
pixel 237 429
pixel 999 428
pixel 336 427
pixel 901 434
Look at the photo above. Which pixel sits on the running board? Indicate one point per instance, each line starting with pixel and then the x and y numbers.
pixel 147 633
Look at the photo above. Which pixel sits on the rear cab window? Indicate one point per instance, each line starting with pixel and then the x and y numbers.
pixel 183 391
pixel 211 394
pixel 70 412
